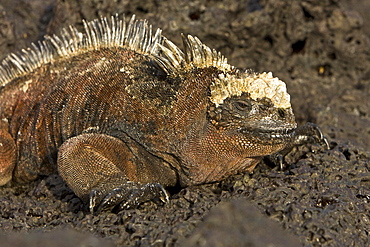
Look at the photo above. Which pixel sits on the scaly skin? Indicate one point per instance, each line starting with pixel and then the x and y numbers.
pixel 120 126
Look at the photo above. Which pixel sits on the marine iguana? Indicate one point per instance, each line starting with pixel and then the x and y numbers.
pixel 122 113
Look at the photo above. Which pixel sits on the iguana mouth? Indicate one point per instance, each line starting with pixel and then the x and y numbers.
pixel 271 134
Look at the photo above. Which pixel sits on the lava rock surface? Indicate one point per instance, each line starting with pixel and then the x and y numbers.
pixel 320 48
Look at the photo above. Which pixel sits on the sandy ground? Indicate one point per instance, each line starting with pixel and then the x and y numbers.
pixel 319 47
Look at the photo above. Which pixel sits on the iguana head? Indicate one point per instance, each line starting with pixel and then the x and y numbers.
pixel 252 107
pixel 251 104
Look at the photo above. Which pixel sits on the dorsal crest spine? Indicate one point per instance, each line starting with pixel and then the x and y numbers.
pixel 100 33
pixel 196 54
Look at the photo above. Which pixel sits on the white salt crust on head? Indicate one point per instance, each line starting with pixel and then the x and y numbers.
pixel 256 85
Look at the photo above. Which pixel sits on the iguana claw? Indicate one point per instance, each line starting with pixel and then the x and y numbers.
pixel 308 133
pixel 127 196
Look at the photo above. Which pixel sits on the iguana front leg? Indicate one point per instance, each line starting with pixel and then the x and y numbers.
pixel 106 172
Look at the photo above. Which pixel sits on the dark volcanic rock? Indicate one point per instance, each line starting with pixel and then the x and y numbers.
pixel 319 47
pixel 57 238
pixel 239 223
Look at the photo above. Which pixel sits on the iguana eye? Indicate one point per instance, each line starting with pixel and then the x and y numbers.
pixel 281 113
pixel 242 105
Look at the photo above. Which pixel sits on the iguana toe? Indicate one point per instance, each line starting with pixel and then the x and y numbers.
pixel 126 197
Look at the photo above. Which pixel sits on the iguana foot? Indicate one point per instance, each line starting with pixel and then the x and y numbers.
pixel 110 174
pixel 275 160
pixel 308 133
pixel 126 196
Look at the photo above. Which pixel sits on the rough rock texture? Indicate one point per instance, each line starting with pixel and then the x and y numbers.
pixel 320 48
pixel 58 238
pixel 234 214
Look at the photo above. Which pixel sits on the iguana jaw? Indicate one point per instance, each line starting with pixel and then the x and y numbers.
pixel 271 135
